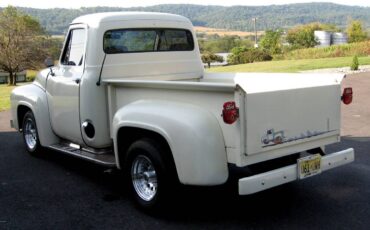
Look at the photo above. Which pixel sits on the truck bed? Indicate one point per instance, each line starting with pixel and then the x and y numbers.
pixel 280 114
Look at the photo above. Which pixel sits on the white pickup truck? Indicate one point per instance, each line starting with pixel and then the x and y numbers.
pixel 130 92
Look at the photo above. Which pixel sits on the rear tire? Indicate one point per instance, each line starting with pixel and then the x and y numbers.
pixel 149 174
pixel 30 134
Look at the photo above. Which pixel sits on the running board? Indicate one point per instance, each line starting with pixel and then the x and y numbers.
pixel 107 159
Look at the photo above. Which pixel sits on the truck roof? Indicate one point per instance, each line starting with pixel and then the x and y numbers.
pixel 96 19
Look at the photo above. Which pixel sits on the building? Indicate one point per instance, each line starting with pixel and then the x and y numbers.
pixel 21 77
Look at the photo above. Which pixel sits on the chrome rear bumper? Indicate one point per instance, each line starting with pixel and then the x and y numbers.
pixel 263 181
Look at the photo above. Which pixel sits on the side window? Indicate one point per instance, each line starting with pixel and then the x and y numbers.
pixel 147 40
pixel 74 49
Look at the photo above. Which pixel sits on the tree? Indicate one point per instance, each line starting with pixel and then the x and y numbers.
pixel 303 36
pixel 22 44
pixel 356 32
pixel 211 58
pixel 54 46
pixel 271 41
pixel 355 64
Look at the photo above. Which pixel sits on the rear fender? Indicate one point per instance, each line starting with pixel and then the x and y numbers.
pixel 192 133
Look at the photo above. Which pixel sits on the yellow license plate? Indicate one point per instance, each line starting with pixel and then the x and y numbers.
pixel 309 166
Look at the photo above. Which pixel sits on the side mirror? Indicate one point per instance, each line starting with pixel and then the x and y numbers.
pixel 49 62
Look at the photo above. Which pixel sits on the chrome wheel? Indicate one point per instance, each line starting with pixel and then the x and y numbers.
pixel 144 178
pixel 30 134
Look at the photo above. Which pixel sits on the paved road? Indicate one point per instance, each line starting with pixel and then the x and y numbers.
pixel 60 192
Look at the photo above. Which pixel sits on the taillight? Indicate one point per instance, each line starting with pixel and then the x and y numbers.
pixel 347 96
pixel 230 112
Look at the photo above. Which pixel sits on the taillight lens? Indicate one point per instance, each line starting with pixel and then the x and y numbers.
pixel 347 96
pixel 230 112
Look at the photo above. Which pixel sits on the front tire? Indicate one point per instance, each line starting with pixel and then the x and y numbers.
pixel 30 134
pixel 150 177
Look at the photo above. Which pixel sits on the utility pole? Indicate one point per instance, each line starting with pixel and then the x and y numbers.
pixel 255 32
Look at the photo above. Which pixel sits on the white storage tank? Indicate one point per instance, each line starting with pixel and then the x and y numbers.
pixel 323 37
pixel 339 38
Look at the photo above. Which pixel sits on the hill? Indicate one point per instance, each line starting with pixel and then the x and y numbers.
pixel 232 18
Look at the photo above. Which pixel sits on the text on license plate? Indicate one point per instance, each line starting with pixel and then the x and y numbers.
pixel 309 166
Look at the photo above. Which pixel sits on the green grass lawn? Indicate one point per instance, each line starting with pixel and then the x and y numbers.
pixel 4 96
pixel 291 66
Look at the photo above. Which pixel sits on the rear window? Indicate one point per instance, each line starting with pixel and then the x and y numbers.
pixel 147 40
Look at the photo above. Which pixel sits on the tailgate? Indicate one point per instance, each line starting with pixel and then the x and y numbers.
pixel 286 113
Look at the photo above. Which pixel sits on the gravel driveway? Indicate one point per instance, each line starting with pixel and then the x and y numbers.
pixel 356 116
pixel 4 121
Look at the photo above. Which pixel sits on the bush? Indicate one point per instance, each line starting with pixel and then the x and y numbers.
pixel 354 65
pixel 30 78
pixel 209 58
pixel 31 75
pixel 257 55
pixel 242 55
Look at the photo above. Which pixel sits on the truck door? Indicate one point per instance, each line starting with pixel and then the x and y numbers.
pixel 63 88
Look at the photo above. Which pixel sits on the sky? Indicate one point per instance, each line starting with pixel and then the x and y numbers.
pixel 133 3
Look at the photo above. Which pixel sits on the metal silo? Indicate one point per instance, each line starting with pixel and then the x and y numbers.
pixel 339 38
pixel 323 37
